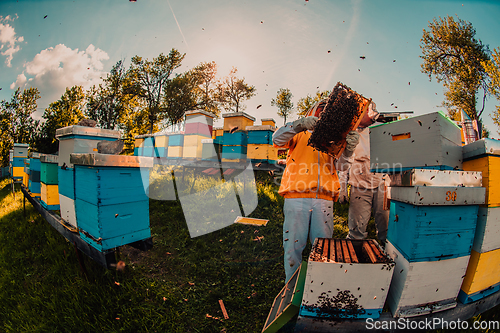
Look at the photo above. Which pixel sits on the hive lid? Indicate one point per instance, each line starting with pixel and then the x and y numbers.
pixel 35 154
pixel 428 177
pixel 21 145
pixel 46 158
pixel 95 159
pixel 207 140
pixel 261 128
pixel 481 147
pixel 238 114
pixel 438 195
pixel 87 131
pixel 203 112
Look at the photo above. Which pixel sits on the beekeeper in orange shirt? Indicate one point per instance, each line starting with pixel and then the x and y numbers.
pixel 309 185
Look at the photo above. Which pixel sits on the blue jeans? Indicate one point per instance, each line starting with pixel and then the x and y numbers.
pixel 304 218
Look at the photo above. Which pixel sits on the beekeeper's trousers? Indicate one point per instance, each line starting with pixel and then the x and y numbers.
pixel 304 217
pixel 361 203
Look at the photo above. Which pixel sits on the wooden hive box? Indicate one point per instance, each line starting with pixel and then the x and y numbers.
pixel 268 121
pixel 112 208
pixel 423 287
pixel 484 155
pixel 75 139
pixel 238 138
pixel 287 303
pixel 147 146
pixel 49 196
pixel 48 169
pixel 234 152
pixel 430 223
pixel 487 236
pixel 430 141
pixel 262 153
pixel 237 119
pixel 210 150
pixel 482 277
pixel 20 150
pixel 192 145
pixel 26 172
pixel 176 140
pixel 337 286
pixel 34 175
pixel 260 134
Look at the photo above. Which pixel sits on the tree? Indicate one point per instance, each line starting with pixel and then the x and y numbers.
pixel 232 91
pixel 284 102
pixel 66 111
pixel 16 121
pixel 180 96
pixel 493 69
pixel 451 53
pixel 150 79
pixel 107 103
pixel 206 86
pixel 307 102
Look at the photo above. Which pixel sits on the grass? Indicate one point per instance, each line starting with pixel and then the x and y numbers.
pixel 174 287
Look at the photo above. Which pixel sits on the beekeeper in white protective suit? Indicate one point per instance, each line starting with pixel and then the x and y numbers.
pixel 367 188
pixel 309 185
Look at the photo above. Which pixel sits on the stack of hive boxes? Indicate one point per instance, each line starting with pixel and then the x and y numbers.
pixel 48 179
pixel 75 139
pixel 11 160
pixel 483 273
pixel 19 154
pixel 235 137
pixel 175 145
pixel 433 211
pixel 336 285
pixel 260 143
pixel 112 208
pixel 145 145
pixel 26 172
pixel 34 175
pixel 198 126
pixel 161 145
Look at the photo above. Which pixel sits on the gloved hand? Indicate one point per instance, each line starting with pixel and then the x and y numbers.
pixel 352 140
pixel 304 123
pixel 343 197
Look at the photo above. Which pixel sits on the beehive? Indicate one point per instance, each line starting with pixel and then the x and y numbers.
pixel 48 179
pixel 423 287
pixel 199 122
pixel 161 145
pixel 234 153
pixel 146 145
pixel 487 236
pixel 482 277
pixel 260 134
pixel 262 153
pixel 19 153
pixel 75 139
pixel 34 175
pixel 219 133
pixel 268 121
pixel 175 145
pixel 26 172
pixel 336 283
pixel 430 141
pixel 429 223
pixel 192 146
pixel 210 150
pixel 287 303
pixel 112 208
pixel 237 119
pixel 234 148
pixel 484 155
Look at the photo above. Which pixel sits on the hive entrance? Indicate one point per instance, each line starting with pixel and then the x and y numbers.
pixel 347 251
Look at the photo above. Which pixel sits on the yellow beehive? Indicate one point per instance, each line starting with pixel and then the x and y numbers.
pixel 18 172
pixel 261 152
pixel 237 119
pixel 490 167
pixel 193 146
pixel 26 179
pixel 174 151
pixel 50 194
pixel 268 121
pixel 483 271
pixel 192 152
pixel 161 141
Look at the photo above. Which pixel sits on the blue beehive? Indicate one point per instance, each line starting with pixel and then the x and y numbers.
pixel 112 208
pixel 239 138
pixel 260 135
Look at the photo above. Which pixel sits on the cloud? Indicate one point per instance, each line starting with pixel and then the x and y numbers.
pixel 57 68
pixel 8 39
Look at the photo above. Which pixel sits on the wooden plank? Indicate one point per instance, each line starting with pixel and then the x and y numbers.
pixel 354 257
pixel 338 250
pixel 332 250
pixel 345 250
pixel 376 249
pixel 369 252
pixel 325 244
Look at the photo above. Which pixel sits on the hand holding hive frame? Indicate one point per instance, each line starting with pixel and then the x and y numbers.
pixel 343 112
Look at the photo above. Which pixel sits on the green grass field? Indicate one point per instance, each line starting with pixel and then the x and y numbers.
pixel 174 287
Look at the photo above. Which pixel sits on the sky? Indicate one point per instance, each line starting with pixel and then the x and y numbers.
pixel 301 45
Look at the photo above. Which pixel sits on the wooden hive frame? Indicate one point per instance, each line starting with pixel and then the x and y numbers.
pixel 322 142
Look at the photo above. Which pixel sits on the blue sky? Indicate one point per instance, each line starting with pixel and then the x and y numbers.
pixel 301 45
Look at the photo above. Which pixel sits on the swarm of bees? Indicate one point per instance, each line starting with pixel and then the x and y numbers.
pixel 336 119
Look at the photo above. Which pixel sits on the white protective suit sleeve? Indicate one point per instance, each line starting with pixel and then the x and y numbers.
pixel 284 134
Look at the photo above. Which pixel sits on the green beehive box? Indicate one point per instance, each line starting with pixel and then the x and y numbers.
pixel 287 303
pixel 48 169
